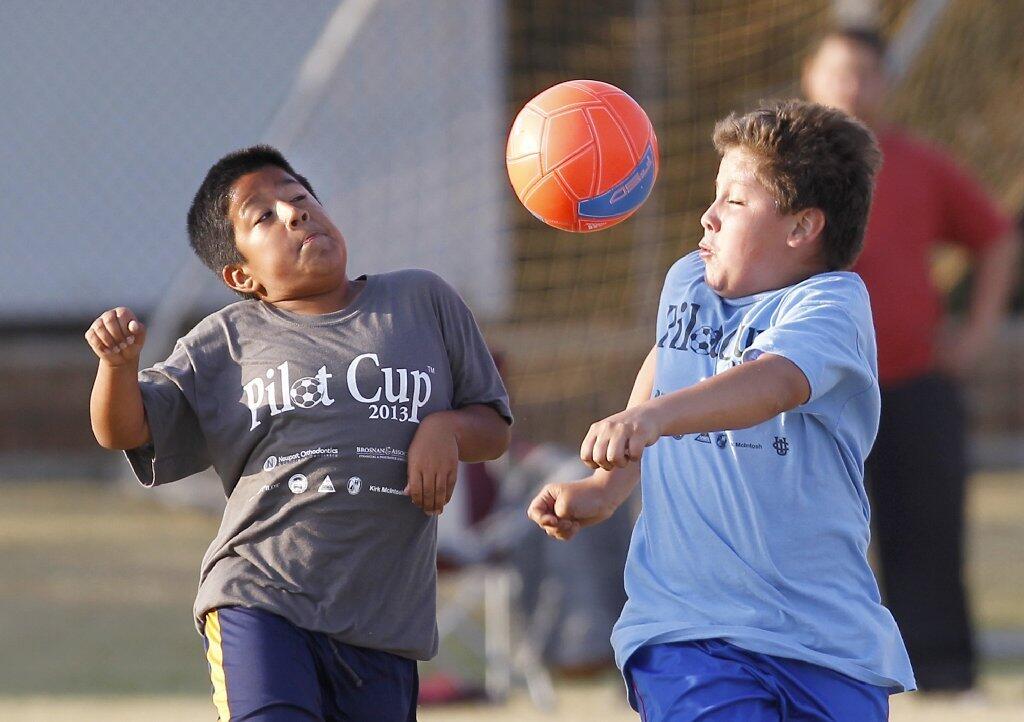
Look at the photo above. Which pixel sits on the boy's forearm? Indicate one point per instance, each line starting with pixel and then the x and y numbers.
pixel 118 415
pixel 743 396
pixel 482 434
pixel 618 483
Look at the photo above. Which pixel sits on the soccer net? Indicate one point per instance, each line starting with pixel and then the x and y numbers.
pixel 583 312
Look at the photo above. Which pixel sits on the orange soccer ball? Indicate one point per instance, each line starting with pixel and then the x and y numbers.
pixel 582 156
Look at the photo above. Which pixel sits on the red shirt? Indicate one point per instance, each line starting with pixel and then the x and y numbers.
pixel 922 198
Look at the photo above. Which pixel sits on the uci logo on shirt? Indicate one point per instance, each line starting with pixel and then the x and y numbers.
pixel 395 394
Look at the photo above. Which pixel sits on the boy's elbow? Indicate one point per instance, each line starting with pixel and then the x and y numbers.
pixel 786 398
pixel 789 396
pixel 103 436
pixel 790 388
pixel 499 439
pixel 112 440
pixel 499 434
pixel 107 441
pixel 113 443
pixel 504 439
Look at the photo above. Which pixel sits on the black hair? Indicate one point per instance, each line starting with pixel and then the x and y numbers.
pixel 210 231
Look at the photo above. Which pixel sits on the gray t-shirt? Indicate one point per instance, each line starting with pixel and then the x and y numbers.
pixel 307 420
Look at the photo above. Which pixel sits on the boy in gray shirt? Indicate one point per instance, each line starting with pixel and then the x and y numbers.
pixel 335 412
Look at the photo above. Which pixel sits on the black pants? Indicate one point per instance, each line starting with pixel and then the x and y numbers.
pixel 916 476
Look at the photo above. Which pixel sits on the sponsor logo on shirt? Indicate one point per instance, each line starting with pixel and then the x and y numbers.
pixel 392 394
pixel 298 483
pixel 746 445
pixel 327 486
pixel 273 462
pixel 381 453
pixel 377 489
pixel 722 441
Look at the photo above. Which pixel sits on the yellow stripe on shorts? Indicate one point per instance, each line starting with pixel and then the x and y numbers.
pixel 215 656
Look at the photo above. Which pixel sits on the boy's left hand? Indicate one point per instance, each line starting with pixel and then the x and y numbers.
pixel 433 463
pixel 620 438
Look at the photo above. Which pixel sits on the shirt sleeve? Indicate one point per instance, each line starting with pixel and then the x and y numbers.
pixel 475 378
pixel 969 216
pixel 824 341
pixel 178 448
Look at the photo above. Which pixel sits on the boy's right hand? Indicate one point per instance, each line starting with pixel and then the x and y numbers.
pixel 117 337
pixel 562 509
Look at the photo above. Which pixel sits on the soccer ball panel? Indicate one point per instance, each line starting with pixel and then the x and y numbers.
pixel 559 96
pixel 632 119
pixel 525 136
pixel 548 201
pixel 617 157
pixel 565 136
pixel 580 173
pixel 524 172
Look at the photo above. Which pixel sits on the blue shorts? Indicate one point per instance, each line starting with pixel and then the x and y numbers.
pixel 712 681
pixel 265 669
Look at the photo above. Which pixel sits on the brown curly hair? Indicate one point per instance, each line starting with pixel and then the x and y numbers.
pixel 811 156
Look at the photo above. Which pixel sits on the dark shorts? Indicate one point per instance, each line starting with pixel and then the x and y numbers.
pixel 265 669
pixel 712 681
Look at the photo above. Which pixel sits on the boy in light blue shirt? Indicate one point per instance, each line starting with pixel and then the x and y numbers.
pixel 750 594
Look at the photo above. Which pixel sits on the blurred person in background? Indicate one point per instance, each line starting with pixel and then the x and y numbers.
pixel 568 596
pixel 918 467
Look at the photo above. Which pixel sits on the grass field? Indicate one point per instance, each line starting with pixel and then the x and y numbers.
pixel 97 587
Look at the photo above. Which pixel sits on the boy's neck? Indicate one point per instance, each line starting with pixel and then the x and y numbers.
pixel 796 276
pixel 330 301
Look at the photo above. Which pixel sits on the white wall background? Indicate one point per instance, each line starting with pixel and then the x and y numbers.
pixel 112 111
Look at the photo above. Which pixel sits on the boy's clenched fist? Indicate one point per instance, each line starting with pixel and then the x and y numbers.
pixel 117 336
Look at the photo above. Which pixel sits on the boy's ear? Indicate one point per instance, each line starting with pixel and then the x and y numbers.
pixel 810 224
pixel 237 278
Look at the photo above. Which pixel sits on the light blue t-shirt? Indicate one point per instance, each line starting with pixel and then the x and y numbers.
pixel 759 536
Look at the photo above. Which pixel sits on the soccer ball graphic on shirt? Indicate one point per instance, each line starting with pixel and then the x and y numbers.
pixel 306 392
pixel 705 339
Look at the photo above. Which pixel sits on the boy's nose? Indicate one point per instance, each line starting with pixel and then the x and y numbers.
pixel 709 220
pixel 293 216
